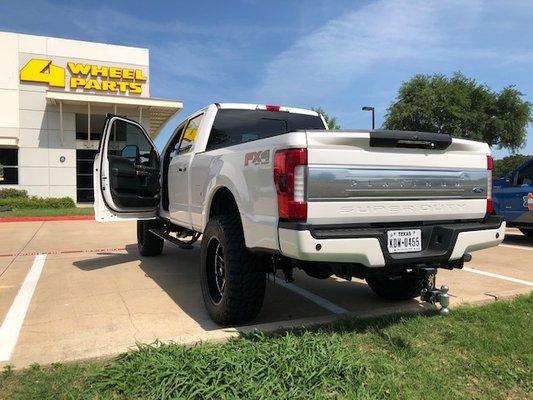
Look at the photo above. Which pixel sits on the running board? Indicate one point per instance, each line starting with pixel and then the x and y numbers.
pixel 181 244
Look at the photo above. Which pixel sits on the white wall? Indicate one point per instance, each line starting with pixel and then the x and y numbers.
pixel 9 95
pixel 25 114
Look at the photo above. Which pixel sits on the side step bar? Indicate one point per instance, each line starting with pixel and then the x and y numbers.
pixel 181 244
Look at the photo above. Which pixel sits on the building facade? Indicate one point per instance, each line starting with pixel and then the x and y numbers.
pixel 54 95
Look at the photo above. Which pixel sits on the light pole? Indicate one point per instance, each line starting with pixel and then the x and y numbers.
pixel 367 108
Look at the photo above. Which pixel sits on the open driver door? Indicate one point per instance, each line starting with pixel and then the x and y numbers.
pixel 126 172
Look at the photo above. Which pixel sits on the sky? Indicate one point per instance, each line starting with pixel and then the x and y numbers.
pixel 336 54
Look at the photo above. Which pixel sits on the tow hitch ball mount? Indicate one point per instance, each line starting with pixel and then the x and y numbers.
pixel 432 295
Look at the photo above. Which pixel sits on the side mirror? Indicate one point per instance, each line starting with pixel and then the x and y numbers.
pixel 131 152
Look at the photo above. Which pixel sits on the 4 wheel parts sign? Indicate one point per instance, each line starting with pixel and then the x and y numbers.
pixel 84 76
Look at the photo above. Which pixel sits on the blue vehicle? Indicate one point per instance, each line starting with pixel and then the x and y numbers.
pixel 513 198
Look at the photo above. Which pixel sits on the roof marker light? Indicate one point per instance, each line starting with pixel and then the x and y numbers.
pixel 270 107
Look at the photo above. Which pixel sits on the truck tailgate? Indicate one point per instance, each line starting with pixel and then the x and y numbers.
pixel 388 176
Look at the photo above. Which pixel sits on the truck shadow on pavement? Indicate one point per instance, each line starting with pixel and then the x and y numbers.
pixel 176 272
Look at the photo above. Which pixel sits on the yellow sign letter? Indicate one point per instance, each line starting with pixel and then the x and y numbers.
pixel 35 70
pixel 79 69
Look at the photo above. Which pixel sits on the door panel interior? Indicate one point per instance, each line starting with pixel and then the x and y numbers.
pixel 133 167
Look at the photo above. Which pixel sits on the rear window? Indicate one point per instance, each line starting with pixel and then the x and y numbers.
pixel 233 127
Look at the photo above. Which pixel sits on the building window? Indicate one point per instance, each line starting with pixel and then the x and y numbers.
pixel 97 126
pixel 9 171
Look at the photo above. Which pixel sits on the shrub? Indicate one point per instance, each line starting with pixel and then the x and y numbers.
pixel 10 192
pixel 37 202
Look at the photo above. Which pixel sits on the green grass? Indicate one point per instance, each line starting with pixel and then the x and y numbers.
pixel 475 353
pixel 40 212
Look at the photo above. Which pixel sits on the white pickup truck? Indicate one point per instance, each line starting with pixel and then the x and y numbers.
pixel 270 188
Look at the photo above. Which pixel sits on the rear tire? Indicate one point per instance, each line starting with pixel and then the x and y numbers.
pixel 396 288
pixel 233 284
pixel 149 245
pixel 527 232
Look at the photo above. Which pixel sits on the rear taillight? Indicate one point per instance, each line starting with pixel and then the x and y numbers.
pixel 490 167
pixel 289 177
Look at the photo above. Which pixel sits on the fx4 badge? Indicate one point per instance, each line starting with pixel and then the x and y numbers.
pixel 257 158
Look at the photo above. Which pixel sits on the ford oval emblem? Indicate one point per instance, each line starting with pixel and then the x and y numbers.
pixel 478 189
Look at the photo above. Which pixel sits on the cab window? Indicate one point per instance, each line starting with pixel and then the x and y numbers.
pixel 175 142
pixel 128 141
pixel 236 126
pixel 188 138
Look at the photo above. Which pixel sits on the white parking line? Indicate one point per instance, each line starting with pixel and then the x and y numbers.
pixel 10 329
pixel 505 278
pixel 512 246
pixel 328 305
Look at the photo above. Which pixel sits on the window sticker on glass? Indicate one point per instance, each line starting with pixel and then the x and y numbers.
pixel 190 133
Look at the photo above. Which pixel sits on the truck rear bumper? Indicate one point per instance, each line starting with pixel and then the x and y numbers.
pixel 477 240
pixel 441 242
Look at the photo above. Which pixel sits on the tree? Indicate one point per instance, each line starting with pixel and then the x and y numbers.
pixel 507 164
pixel 330 121
pixel 461 107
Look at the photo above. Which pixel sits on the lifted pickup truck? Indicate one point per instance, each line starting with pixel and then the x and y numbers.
pixel 270 188
pixel 513 198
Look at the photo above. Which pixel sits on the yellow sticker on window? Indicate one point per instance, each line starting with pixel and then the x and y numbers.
pixel 190 133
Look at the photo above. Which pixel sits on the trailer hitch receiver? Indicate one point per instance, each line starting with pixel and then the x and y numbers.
pixel 432 295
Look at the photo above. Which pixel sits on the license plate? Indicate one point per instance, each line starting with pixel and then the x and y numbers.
pixel 404 241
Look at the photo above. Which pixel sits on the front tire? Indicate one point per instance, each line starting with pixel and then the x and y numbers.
pixel 527 232
pixel 149 245
pixel 233 285
pixel 396 288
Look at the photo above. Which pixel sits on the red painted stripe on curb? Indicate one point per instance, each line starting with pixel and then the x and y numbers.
pixel 48 218
pixel 33 253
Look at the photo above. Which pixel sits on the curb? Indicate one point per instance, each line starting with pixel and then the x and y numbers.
pixel 48 218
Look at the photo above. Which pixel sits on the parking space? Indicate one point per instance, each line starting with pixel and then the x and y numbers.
pixel 95 296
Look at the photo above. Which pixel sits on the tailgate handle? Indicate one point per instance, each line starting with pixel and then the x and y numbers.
pixel 406 139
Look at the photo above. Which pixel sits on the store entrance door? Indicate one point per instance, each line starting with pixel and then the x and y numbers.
pixel 86 149
pixel 84 175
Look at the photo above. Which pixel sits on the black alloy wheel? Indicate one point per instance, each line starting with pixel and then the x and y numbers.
pixel 215 270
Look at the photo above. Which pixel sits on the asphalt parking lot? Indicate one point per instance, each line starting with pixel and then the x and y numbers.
pixel 79 289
